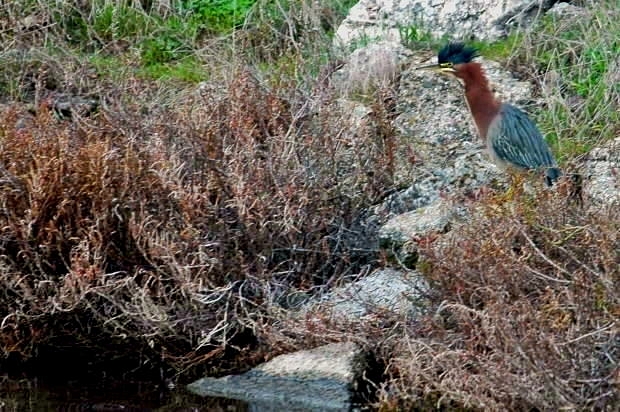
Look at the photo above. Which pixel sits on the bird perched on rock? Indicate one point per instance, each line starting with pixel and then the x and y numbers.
pixel 511 137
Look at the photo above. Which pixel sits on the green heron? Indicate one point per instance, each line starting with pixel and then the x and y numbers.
pixel 511 137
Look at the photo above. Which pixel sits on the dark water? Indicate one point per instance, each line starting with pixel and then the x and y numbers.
pixel 20 395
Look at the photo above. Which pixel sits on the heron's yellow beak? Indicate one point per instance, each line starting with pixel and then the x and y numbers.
pixel 437 68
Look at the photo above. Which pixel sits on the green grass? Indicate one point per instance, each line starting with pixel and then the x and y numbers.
pixel 175 44
pixel 105 21
pixel 174 39
pixel 160 38
pixel 218 16
pixel 113 23
pixel 501 49
pixel 580 55
pixel 416 36
pixel 189 70
pixel 107 65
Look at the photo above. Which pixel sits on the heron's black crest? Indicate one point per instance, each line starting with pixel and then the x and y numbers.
pixel 456 53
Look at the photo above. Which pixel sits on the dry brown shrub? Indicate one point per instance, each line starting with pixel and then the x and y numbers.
pixel 173 222
pixel 525 315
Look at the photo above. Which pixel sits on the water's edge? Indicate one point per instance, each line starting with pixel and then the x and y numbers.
pixel 33 394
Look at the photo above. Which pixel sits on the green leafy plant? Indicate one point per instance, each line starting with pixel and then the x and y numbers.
pixel 172 40
pixel 415 36
pixel 218 16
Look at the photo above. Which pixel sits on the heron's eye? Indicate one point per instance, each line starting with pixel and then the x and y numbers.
pixel 446 65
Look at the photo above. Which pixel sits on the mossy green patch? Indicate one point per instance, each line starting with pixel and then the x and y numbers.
pixel 189 70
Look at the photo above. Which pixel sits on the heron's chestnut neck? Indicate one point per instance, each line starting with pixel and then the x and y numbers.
pixel 482 103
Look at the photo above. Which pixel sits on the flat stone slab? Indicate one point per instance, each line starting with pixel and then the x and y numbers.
pixel 320 379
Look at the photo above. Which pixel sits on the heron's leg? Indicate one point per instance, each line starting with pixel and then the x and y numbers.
pixel 517 184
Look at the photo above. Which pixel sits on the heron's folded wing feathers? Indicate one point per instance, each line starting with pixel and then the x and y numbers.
pixel 518 141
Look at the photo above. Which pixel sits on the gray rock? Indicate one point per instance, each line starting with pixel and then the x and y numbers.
pixel 601 171
pixel 369 68
pixel 358 120
pixel 566 10
pixel 384 19
pixel 385 290
pixel 320 379
pixel 399 236
pixel 422 192
pixel 419 222
pixel 67 105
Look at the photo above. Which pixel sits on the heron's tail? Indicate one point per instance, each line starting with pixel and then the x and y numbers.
pixel 552 174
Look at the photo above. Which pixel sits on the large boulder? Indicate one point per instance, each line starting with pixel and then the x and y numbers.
pixel 480 19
